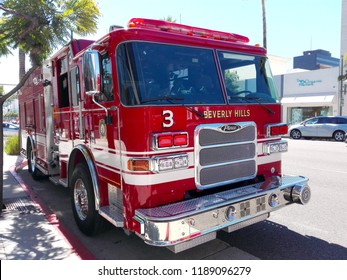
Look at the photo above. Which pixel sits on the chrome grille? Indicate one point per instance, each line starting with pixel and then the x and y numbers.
pixel 225 156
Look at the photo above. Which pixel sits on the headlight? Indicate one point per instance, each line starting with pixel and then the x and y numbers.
pixel 275 147
pixel 171 163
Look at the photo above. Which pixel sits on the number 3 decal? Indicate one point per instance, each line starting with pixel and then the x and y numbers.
pixel 168 118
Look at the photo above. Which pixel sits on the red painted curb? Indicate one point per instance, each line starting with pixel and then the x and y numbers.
pixel 77 247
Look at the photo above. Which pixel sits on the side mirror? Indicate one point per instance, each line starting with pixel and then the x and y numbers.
pixel 91 72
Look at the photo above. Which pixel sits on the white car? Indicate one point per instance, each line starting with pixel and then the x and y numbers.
pixel 320 127
pixel 10 128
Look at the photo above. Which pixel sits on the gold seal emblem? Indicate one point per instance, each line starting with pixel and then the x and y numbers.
pixel 102 129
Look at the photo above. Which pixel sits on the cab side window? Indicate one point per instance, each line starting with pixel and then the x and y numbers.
pixel 64 100
pixel 106 79
pixel 75 86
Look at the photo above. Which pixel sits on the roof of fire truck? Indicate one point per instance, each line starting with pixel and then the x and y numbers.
pixel 162 25
pixel 189 34
pixel 77 46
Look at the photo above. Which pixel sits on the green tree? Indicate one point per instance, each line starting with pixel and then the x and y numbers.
pixel 231 81
pixel 342 77
pixel 169 19
pixel 36 27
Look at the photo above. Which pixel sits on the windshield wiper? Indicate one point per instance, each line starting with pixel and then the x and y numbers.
pixel 257 101
pixel 162 98
pixel 170 100
pixel 195 112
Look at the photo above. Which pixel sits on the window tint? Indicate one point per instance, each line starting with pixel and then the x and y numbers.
pixel 107 84
pixel 247 78
pixel 326 120
pixel 75 86
pixel 341 120
pixel 64 100
pixel 312 121
pixel 157 74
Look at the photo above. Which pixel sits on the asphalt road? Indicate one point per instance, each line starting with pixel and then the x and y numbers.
pixel 314 231
pixel 317 230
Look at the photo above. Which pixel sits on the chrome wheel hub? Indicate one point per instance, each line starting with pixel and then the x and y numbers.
pixel 32 161
pixel 81 199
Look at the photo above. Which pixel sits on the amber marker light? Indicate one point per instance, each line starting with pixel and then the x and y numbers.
pixel 138 164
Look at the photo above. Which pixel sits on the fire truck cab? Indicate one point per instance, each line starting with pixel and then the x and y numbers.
pixel 169 131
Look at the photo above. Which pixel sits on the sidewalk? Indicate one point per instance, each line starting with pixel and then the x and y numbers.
pixel 26 232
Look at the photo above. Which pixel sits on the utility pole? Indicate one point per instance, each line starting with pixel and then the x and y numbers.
pixel 264 24
pixel 342 87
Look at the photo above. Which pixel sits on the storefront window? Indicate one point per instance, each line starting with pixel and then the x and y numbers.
pixel 299 114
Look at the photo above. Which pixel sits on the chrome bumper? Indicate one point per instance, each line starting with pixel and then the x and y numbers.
pixel 201 217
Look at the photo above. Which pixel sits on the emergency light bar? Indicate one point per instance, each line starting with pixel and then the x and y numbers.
pixel 162 25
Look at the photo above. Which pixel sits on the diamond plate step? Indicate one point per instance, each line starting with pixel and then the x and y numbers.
pixel 112 214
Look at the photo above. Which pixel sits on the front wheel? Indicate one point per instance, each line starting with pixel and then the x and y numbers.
pixel 339 136
pixel 87 218
pixel 295 134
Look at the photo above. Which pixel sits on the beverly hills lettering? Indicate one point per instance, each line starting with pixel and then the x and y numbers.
pixel 219 114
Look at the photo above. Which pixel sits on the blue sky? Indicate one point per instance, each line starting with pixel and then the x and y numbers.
pixel 293 26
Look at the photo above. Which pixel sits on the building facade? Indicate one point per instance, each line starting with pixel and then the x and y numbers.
pixel 308 94
pixel 315 59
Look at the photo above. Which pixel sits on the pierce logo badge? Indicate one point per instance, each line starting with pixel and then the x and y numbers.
pixel 230 127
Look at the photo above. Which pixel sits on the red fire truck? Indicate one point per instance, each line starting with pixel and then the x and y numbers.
pixel 169 131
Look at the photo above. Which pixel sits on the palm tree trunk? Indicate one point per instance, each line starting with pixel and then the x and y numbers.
pixel 21 55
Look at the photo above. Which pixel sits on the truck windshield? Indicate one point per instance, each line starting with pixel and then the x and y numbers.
pixel 156 74
pixel 247 78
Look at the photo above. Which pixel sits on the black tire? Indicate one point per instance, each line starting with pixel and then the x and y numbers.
pixel 32 168
pixel 339 136
pixel 82 196
pixel 295 134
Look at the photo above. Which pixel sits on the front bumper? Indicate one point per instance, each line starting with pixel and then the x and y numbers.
pixel 200 218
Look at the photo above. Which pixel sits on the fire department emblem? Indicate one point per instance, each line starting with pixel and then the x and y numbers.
pixel 102 129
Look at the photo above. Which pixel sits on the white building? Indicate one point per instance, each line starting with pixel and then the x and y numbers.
pixel 308 94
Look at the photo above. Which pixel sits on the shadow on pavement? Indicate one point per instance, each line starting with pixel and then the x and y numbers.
pixel 271 241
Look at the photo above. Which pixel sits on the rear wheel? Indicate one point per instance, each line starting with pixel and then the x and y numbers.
pixel 87 218
pixel 32 167
pixel 295 134
pixel 339 136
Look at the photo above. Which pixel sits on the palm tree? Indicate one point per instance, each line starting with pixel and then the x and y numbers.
pixel 36 27
pixel 169 19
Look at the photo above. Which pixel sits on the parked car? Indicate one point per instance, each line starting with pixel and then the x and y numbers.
pixel 10 128
pixel 322 127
